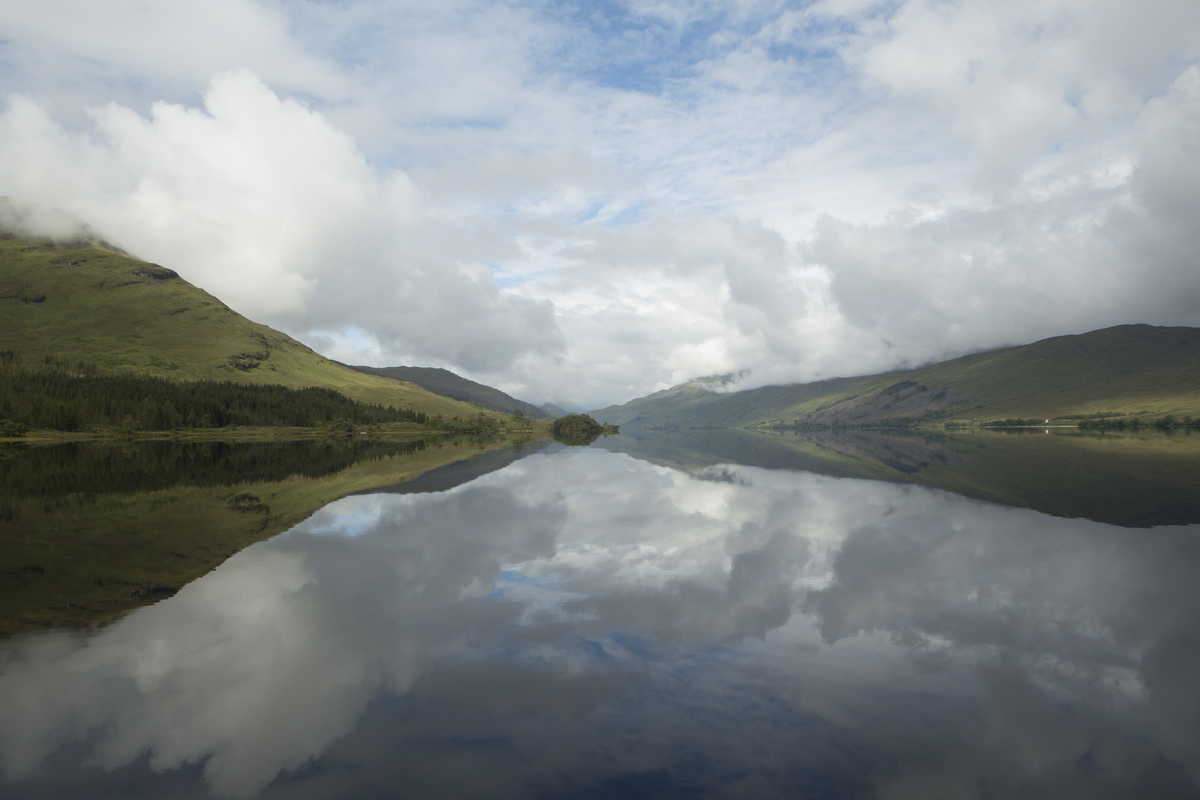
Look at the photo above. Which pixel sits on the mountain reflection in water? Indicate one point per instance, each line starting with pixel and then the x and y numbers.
pixel 582 623
pixel 1138 480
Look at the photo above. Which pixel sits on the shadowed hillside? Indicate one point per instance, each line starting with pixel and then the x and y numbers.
pixel 447 384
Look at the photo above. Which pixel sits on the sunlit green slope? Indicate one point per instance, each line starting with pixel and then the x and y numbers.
pixel 86 302
pixel 1130 369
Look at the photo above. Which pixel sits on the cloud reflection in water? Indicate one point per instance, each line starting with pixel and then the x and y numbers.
pixel 585 623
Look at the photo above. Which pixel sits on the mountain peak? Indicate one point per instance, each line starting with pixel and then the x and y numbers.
pixel 39 223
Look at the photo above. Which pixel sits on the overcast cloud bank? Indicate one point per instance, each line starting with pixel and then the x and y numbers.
pixel 592 204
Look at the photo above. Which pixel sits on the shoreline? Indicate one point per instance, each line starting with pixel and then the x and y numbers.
pixel 246 433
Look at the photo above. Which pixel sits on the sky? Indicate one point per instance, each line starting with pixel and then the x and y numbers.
pixel 588 202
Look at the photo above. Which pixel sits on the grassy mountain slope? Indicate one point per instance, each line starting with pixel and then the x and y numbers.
pixel 86 302
pixel 447 384
pixel 1130 369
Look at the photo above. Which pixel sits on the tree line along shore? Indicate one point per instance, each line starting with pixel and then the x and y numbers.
pixel 56 394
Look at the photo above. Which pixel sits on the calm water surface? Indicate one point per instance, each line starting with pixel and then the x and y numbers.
pixel 581 622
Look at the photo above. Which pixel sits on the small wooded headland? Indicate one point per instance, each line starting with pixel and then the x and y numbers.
pixel 580 430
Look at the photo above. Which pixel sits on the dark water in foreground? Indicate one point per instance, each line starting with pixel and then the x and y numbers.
pixel 706 619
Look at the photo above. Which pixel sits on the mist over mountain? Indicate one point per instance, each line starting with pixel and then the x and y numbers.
pixel 36 222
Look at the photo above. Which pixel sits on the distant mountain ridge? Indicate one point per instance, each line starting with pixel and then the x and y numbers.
pixel 1125 370
pixel 447 384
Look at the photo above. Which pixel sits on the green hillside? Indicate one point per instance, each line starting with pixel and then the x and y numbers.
pixel 447 384
pixel 1131 370
pixel 89 302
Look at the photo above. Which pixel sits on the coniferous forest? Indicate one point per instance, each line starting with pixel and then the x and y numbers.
pixel 59 395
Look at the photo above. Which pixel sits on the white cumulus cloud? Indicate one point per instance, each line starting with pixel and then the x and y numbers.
pixel 580 203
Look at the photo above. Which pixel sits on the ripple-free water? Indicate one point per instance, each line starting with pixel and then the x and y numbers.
pixel 583 623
